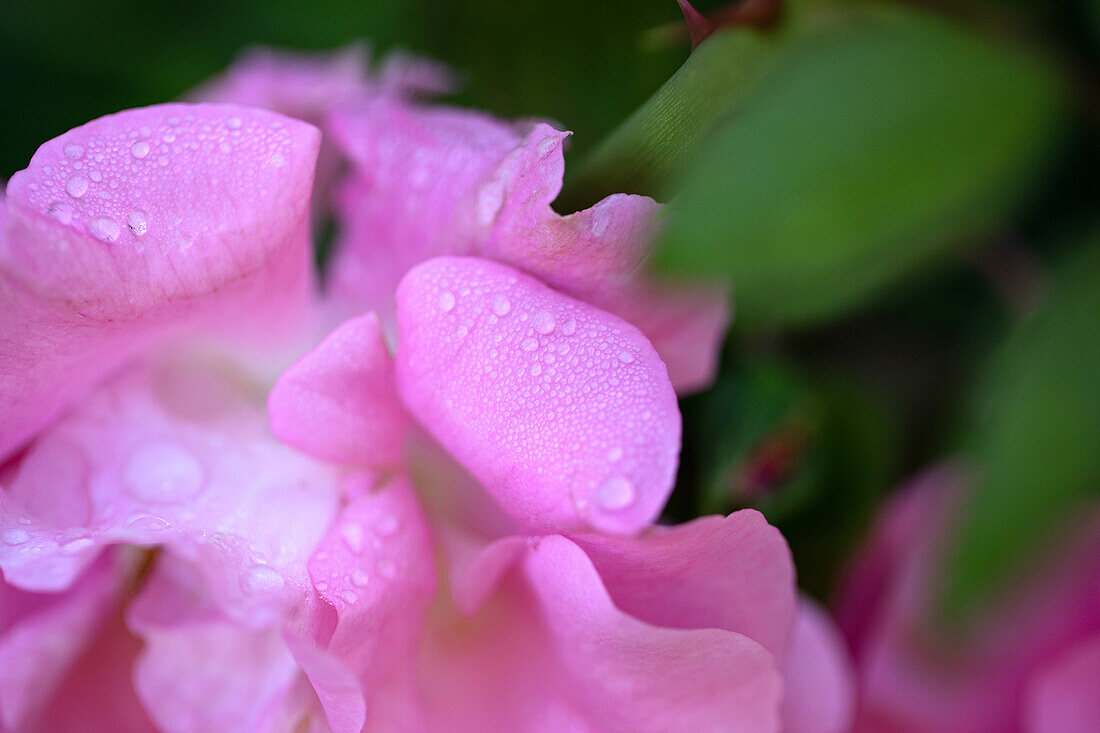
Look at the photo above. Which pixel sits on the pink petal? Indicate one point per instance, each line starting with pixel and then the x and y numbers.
pixel 416 174
pixel 43 634
pixel 339 402
pixel 819 684
pixel 562 411
pixel 199 670
pixel 1065 698
pixel 437 182
pixel 629 675
pixel 733 573
pixel 97 693
pixel 139 221
pixel 210 485
pixel 686 325
pixel 376 569
pixel 547 650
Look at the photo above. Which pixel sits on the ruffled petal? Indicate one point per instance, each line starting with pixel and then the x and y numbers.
pixel 819 684
pixel 138 221
pixel 339 402
pixel 43 634
pixel 1064 698
pixel 375 569
pixel 733 573
pixel 564 412
pixel 209 484
pixel 538 645
pixel 199 670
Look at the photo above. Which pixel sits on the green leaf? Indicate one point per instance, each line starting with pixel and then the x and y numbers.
pixel 1035 436
pixel 876 142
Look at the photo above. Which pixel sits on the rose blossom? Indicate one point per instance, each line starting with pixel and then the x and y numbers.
pixel 457 536
pixel 1030 664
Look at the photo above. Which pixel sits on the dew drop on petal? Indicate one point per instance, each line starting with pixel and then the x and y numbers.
pixel 233 123
pixel 615 493
pixel 104 229
pixel 387 526
pixel 77 186
pixel 447 302
pixel 61 211
pixel 148 523
pixel 76 546
pixel 15 537
pixel 569 327
pixel 386 568
pixel 162 472
pixel 360 577
pixel 529 344
pixel 74 151
pixel 139 149
pixel 626 357
pixel 501 305
pixel 353 536
pixel 261 579
pixel 137 222
pixel 348 596
pixel 544 322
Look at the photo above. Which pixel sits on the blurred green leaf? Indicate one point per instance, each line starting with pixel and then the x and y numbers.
pixel 875 144
pixel 1035 435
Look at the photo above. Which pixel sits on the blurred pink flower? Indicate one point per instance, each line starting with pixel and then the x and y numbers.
pixel 1033 665
pixel 455 537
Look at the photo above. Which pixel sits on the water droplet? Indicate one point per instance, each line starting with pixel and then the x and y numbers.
pixel 225 147
pixel 615 493
pixel 360 577
pixel 569 327
pixel 347 596
pixel 614 454
pixel 386 568
pixel 137 222
pixel 261 579
pixel 277 160
pixel 96 176
pixel 536 369
pixel 529 344
pixel 104 229
pixel 447 302
pixel 148 523
pixel 546 145
pixel 139 149
pixel 61 211
pixel 74 151
pixel 387 526
pixel 77 186
pixel 501 305
pixel 544 322
pixel 626 357
pixel 321 586
pixel 353 536
pixel 15 537
pixel 76 546
pixel 162 472
pixel 233 123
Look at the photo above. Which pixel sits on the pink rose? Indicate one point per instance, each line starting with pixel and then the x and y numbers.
pixel 455 536
pixel 1032 665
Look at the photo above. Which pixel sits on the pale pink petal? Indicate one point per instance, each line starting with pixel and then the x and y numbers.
pixel 410 197
pixel 562 411
pixel 629 675
pixel 43 634
pixel 733 573
pixel 199 670
pixel 376 571
pixel 819 684
pixel 139 221
pixel 210 485
pixel 339 402
pixel 1065 697
pixel 686 325
pixel 97 693
pixel 547 650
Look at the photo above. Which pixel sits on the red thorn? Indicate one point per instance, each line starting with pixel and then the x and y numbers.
pixel 699 28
